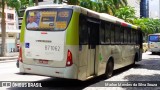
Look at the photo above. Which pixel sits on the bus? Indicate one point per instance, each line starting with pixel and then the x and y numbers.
pixel 154 43
pixel 69 41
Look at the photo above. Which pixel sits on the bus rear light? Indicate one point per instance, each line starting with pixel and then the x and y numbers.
pixel 69 58
pixel 20 55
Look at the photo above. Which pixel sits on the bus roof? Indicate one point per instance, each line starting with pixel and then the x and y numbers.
pixel 88 12
pixel 155 34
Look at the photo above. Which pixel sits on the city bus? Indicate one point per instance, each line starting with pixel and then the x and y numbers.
pixel 154 43
pixel 68 41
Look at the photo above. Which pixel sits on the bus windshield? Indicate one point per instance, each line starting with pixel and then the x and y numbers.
pixel 154 38
pixel 48 19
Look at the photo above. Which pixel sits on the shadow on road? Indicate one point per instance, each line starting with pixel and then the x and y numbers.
pixel 152 64
pixel 63 84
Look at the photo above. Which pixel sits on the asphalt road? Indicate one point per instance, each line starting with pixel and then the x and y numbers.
pixel 146 70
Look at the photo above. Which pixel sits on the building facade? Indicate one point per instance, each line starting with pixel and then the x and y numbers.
pixel 11 29
pixel 136 5
pixel 144 8
pixel 154 9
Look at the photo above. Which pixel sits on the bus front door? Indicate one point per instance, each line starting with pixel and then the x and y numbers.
pixel 93 37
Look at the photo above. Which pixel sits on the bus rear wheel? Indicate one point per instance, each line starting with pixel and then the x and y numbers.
pixel 109 69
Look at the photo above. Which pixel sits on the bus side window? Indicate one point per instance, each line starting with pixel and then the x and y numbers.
pixel 83 31
pixel 107 33
pixel 138 37
pixel 112 34
pixel 125 35
pixel 102 33
pixel 117 34
pixel 135 36
pixel 129 35
pixel 132 36
pixel 122 35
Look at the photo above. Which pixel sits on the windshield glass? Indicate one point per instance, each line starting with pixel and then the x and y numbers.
pixel 154 38
pixel 48 19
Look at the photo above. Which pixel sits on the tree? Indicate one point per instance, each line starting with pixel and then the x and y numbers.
pixel 36 2
pixel 3 28
pixel 14 4
pixel 104 6
pixel 110 6
pixel 126 13
pixel 148 25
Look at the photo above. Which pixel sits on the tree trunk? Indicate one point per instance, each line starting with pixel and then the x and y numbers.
pixel 3 30
pixel 36 1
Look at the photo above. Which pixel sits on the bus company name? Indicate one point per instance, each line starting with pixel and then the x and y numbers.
pixel 20 84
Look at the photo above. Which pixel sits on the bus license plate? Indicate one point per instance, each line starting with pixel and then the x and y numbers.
pixel 43 61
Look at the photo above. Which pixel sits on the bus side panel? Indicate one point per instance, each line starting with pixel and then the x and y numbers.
pixel 104 55
pixel 72 41
pixel 123 55
pixel 23 28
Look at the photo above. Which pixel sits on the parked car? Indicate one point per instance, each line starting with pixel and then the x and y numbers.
pixel 145 47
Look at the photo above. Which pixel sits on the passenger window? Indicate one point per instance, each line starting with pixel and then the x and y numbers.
pixel 112 34
pixel 125 35
pixel 117 34
pixel 102 33
pixel 107 33
pixel 83 31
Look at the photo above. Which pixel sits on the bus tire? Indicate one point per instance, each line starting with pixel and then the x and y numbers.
pixel 22 73
pixel 153 53
pixel 109 68
pixel 135 59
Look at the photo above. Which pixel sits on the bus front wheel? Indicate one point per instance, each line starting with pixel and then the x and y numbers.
pixel 109 69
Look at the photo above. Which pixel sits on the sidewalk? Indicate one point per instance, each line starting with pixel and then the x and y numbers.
pixel 10 56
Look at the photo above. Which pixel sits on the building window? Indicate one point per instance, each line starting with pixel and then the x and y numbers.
pixel 10 35
pixel 10 16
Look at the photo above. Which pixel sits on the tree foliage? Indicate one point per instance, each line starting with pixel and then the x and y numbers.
pixel 105 6
pixel 14 4
pixel 126 13
pixel 148 25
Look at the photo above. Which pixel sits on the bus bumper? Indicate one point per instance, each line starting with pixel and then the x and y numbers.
pixel 154 50
pixel 66 72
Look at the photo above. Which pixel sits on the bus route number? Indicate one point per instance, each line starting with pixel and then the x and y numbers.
pixel 52 48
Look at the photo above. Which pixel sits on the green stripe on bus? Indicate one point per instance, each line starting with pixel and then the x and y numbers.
pixel 23 29
pixel 72 30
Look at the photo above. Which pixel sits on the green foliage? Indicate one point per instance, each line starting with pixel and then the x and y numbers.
pixel 148 25
pixel 14 4
pixel 126 13
pixel 104 6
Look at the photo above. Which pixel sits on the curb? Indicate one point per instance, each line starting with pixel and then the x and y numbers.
pixel 5 58
pixel 8 59
pixel 5 61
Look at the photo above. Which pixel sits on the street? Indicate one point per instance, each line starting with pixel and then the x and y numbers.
pixel 146 70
